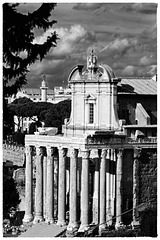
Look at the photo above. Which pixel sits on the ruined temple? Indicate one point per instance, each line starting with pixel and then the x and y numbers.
pixel 105 145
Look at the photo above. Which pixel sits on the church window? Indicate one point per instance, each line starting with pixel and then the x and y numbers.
pixel 91 112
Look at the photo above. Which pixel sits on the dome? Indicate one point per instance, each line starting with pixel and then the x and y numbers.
pixel 107 71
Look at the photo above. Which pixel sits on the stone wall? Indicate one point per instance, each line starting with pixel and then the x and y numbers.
pixel 148 177
pixel 14 154
pixel 148 193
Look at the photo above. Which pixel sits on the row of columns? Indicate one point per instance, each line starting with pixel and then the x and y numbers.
pixel 44 192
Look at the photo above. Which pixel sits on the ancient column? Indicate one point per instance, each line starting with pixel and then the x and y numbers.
pixel 50 186
pixel 84 191
pixel 119 188
pixel 56 184
pixel 39 186
pixel 44 184
pixel 28 186
pixel 73 225
pixel 137 155
pixel 67 184
pixel 102 215
pixel 108 188
pixel 62 187
pixel 113 161
pixel 96 189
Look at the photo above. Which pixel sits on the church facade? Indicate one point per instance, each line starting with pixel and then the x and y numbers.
pixel 102 148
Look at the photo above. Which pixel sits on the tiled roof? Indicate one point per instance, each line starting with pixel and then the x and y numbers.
pixel 146 86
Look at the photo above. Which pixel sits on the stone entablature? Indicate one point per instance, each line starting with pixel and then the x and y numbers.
pixel 96 141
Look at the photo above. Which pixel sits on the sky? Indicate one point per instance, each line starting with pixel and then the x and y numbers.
pixel 122 35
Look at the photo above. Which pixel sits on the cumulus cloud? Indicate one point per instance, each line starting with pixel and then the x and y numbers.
pixel 119 47
pixel 146 8
pixel 129 71
pixel 71 40
pixel 145 61
pixel 70 50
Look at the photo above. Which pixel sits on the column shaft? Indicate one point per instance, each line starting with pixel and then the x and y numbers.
pixel 102 219
pixel 50 186
pixel 28 186
pixel 96 191
pixel 119 189
pixel 137 154
pixel 73 191
pixel 62 188
pixel 44 184
pixel 113 158
pixel 39 186
pixel 108 187
pixel 84 191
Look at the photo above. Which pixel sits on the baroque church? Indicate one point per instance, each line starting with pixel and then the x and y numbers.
pixel 106 154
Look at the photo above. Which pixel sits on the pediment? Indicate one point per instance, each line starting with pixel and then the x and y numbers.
pixel 90 97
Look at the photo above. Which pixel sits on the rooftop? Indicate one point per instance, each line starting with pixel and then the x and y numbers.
pixel 145 86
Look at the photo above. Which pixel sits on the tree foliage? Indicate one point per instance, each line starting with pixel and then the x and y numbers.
pixel 56 115
pixel 24 107
pixel 18 38
pixel 10 195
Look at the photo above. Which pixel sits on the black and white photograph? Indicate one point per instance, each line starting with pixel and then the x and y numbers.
pixel 79 119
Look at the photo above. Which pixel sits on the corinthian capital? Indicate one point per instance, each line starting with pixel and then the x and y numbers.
pixel 50 151
pixel 62 152
pixel 73 152
pixel 39 151
pixel 120 153
pixel 137 153
pixel 85 154
pixel 104 153
pixel 28 150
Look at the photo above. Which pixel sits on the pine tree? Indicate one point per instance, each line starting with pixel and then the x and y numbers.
pixel 18 36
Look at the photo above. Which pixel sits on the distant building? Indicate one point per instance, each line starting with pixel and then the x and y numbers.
pixel 43 94
pixel 106 153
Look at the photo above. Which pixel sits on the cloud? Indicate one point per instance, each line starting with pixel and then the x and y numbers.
pixel 119 47
pixel 146 61
pixel 70 50
pixel 146 8
pixel 152 70
pixel 91 6
pixel 72 40
pixel 129 71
